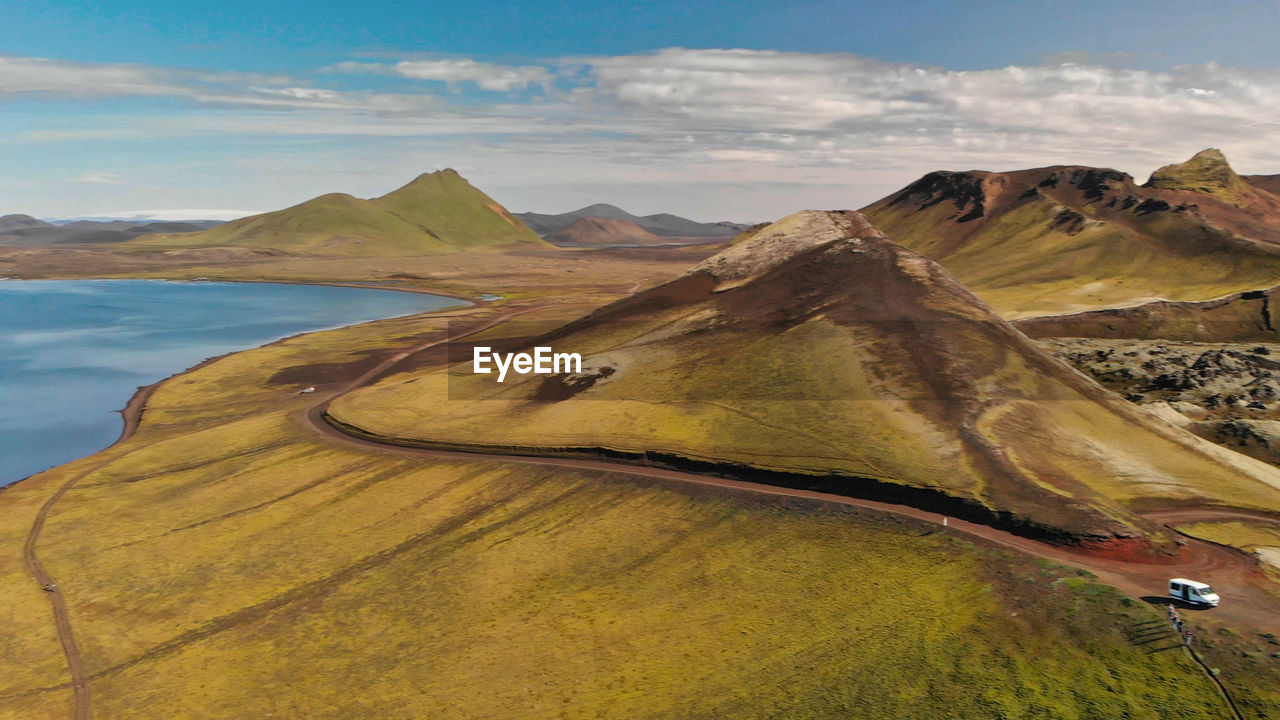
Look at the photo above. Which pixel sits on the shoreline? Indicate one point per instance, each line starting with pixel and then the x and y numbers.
pixel 357 284
pixel 135 406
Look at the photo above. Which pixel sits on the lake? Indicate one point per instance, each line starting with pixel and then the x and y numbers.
pixel 72 352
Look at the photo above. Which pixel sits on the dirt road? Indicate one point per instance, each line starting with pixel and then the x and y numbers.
pixel 1236 575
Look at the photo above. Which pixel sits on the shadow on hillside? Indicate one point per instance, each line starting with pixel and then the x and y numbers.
pixel 1149 633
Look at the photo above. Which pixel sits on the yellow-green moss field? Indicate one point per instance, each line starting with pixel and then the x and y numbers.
pixel 228 562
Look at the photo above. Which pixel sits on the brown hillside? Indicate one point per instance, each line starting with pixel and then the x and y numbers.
pixel 605 231
pixel 1071 238
pixel 1270 183
pixel 818 352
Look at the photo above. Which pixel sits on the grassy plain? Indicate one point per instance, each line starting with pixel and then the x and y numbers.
pixel 554 275
pixel 228 561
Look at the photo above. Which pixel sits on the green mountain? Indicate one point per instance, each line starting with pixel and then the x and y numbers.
pixel 437 213
pixel 1207 172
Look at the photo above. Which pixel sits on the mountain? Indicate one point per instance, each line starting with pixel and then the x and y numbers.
pixel 20 222
pixel 436 213
pixel 1070 238
pixel 603 231
pixel 817 352
pixel 663 224
pixel 1206 172
pixel 26 231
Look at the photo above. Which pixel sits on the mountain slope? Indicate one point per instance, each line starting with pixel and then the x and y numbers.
pixel 436 213
pixel 663 224
pixel 1270 183
pixel 603 231
pixel 1070 238
pixel 817 348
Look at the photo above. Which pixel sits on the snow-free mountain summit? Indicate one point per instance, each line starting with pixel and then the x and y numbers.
pixel 436 213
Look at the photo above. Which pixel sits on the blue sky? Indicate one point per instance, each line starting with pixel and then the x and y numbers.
pixel 715 110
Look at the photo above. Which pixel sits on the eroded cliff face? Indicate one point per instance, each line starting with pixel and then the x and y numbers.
pixel 1238 317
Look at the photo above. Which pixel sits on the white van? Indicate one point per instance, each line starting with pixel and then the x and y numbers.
pixel 1193 592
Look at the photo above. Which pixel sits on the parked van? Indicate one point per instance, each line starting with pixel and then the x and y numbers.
pixel 1193 592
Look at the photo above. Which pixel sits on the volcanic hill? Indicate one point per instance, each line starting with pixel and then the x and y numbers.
pixel 818 352
pixel 21 222
pixel 434 214
pixel 604 231
pixel 1070 238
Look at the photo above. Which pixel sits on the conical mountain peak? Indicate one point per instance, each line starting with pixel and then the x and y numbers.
pixel 436 213
pixel 431 180
pixel 757 253
pixel 1207 171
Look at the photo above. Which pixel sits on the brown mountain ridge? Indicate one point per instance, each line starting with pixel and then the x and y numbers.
pixel 1070 238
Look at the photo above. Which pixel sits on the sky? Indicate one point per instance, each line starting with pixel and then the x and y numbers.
pixel 714 110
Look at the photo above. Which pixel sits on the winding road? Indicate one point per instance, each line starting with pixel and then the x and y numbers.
pixel 61 616
pixel 1235 574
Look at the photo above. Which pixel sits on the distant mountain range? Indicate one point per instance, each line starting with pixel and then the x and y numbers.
pixel 436 213
pixel 24 230
pixel 1072 238
pixel 664 225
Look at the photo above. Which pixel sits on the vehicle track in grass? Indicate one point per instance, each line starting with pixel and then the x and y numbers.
pixel 132 415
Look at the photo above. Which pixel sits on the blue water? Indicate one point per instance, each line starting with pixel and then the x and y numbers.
pixel 72 352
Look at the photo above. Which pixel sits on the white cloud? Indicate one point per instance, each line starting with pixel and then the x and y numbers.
pixel 98 179
pixel 845 96
pixel 803 125
pixel 498 78
pixel 25 75
pixel 37 78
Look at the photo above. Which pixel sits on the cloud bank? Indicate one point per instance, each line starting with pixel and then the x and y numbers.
pixel 681 118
